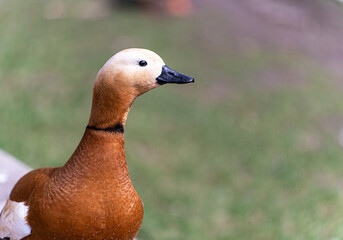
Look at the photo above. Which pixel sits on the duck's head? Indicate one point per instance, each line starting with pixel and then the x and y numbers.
pixel 138 70
pixel 125 76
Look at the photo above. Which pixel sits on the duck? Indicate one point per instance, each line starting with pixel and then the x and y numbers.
pixel 91 196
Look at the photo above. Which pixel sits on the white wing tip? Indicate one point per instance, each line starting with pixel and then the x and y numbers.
pixel 13 222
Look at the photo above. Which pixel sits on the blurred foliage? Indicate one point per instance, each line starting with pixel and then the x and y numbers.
pixel 249 151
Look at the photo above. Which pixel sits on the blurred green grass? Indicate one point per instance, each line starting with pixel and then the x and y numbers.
pixel 229 157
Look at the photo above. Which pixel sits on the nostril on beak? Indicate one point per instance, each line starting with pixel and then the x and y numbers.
pixel 171 73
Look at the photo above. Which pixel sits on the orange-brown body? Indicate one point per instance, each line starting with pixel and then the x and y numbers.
pixel 90 197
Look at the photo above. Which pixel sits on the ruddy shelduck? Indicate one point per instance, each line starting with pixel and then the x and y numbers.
pixel 91 196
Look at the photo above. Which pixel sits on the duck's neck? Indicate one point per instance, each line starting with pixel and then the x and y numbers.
pixel 101 149
pixel 110 107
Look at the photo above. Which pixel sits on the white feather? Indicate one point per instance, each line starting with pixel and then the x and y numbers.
pixel 13 222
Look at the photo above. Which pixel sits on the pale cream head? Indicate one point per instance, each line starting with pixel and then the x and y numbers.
pixel 124 69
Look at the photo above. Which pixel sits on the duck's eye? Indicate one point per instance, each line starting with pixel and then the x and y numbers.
pixel 143 63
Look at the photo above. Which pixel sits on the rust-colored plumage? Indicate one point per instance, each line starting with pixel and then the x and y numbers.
pixel 91 196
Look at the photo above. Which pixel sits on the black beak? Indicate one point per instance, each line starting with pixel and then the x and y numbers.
pixel 168 75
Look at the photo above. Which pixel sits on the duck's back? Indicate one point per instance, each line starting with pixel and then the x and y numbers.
pixel 14 215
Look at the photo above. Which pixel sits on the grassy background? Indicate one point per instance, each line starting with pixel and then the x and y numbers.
pixel 233 156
